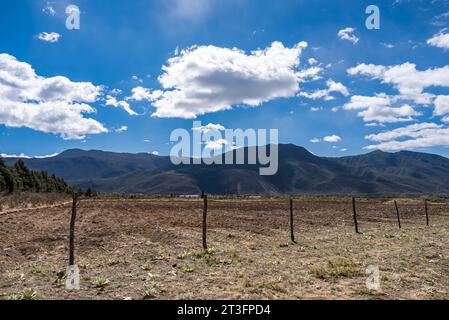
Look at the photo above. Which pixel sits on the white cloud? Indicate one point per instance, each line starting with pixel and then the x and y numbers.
pixel 326 93
pixel 216 144
pixel 46 156
pixel 112 101
pixel 406 79
pixel 440 40
pixel 210 128
pixel 49 9
pixel 315 140
pixel 155 153
pixel 332 139
pixel 388 45
pixel 441 106
pixel 389 114
pixel 312 61
pixel 208 79
pixel 416 136
pixel 136 78
pixel 348 34
pixel 141 94
pixel 343 149
pixel 312 73
pixel 379 109
pixel 52 105
pixel 315 109
pixel 49 37
pixel 116 91
pixel 24 156
pixel 121 129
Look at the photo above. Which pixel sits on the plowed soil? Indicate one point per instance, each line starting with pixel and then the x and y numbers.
pixel 152 249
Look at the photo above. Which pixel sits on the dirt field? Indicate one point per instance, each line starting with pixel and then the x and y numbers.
pixel 151 249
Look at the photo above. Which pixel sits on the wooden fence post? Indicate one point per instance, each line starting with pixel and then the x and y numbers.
pixel 292 227
pixel 72 231
pixel 427 212
pixel 397 211
pixel 354 211
pixel 205 222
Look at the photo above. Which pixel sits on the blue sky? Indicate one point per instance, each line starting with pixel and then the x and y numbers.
pixel 350 88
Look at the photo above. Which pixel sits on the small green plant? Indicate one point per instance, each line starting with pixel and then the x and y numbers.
pixel 337 268
pixel 149 295
pixel 343 267
pixel 29 294
pixel 204 253
pixel 318 272
pixel 269 285
pixel 147 267
pixel 234 256
pixel 100 282
pixel 13 297
pixel 188 268
pixel 246 282
pixel 38 269
pixel 112 263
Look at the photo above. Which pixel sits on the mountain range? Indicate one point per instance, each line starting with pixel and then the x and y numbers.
pixel 300 172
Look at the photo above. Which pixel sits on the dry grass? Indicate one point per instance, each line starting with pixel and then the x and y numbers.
pixel 151 249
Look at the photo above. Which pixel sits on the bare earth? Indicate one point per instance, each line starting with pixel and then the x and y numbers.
pixel 152 249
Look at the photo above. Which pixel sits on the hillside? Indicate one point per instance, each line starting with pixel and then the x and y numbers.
pixel 300 172
pixel 18 178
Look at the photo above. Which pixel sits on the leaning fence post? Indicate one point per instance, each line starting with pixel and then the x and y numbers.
pixel 427 212
pixel 72 231
pixel 205 222
pixel 354 211
pixel 292 227
pixel 397 211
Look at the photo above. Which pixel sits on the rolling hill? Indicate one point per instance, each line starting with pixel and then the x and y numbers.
pixel 300 172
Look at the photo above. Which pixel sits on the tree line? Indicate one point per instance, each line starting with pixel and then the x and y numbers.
pixel 18 178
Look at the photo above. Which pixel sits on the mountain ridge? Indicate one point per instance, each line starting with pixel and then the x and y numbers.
pixel 300 172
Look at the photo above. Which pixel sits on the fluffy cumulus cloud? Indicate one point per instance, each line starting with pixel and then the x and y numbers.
pixel 440 40
pixel 378 109
pixel 53 105
pixel 410 84
pixel 441 106
pixel 409 81
pixel 348 35
pixel 204 79
pixel 144 94
pixel 416 136
pixel 325 94
pixel 49 37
